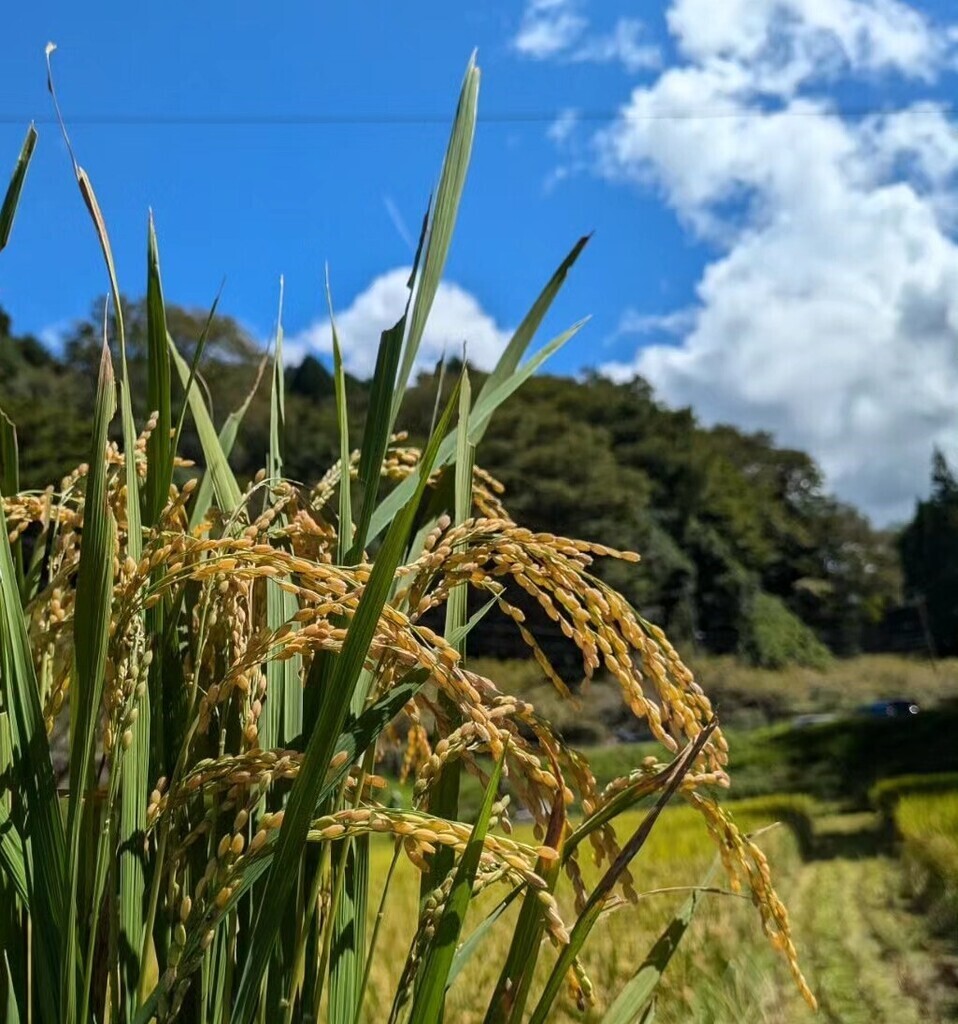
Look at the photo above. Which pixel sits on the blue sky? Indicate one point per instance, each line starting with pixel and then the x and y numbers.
pixel 771 190
pixel 253 200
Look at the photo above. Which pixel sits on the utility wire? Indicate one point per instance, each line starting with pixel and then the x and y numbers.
pixel 517 117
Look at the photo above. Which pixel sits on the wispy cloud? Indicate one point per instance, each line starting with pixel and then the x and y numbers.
pixel 399 223
pixel 548 28
pixel 563 126
pixel 557 29
pixel 624 44
pixel 677 322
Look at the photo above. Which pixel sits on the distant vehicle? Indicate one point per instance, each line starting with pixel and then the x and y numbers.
pixel 805 721
pixel 890 708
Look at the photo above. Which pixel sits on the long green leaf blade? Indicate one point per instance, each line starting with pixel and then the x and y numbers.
pixel 46 853
pixel 512 989
pixel 90 636
pixel 225 487
pixel 376 431
pixel 133 513
pixel 442 222
pixel 11 199
pixel 636 997
pixel 10 484
pixel 342 420
pixel 444 799
pixel 283 713
pixel 159 449
pixel 431 984
pixel 227 438
pixel 12 861
pixel 522 337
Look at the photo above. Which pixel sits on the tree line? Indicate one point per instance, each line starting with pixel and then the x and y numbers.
pixel 743 549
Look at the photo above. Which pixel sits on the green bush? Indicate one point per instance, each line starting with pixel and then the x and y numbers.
pixel 771 636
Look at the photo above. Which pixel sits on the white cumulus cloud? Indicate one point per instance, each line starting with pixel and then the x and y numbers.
pixel 456 319
pixel 830 315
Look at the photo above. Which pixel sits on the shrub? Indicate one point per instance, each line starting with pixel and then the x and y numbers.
pixel 773 637
pixel 228 666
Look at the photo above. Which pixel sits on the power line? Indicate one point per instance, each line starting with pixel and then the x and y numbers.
pixel 323 119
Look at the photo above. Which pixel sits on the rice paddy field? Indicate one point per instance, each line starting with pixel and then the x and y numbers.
pixel 871 950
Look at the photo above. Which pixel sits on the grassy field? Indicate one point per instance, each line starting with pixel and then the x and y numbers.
pixel 868 955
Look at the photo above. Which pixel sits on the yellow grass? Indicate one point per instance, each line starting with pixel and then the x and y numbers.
pixel 723 959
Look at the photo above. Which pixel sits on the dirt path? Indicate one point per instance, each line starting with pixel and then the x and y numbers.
pixel 868 957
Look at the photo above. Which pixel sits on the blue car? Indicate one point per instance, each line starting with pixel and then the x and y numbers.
pixel 889 709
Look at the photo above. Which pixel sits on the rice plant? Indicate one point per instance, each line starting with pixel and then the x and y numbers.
pixel 927 826
pixel 228 665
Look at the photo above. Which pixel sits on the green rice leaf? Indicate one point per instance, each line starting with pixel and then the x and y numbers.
pixel 376 431
pixel 90 636
pixel 159 450
pixel 342 420
pixel 12 862
pixel 441 223
pixel 479 934
pixel 225 488
pixel 194 368
pixel 11 199
pixel 349 935
pixel 10 484
pixel 227 438
pixel 636 997
pixel 431 984
pixel 508 1001
pixel 45 854
pixel 457 635
pixel 277 401
pixel 134 786
pixel 30 752
pixel 509 360
pixel 444 799
pixel 133 513
pixel 283 716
